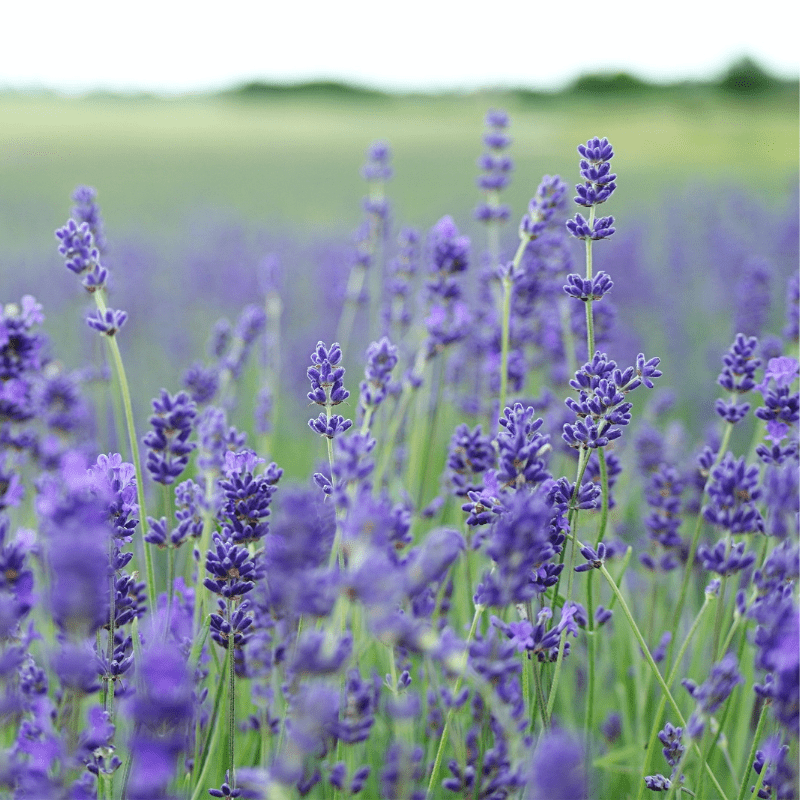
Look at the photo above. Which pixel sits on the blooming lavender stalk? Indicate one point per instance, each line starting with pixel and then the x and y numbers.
pixel 82 257
pixel 327 390
pixel 599 184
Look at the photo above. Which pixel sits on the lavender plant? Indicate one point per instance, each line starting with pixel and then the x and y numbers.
pixel 519 634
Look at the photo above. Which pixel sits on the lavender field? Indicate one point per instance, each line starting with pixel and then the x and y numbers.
pixel 494 500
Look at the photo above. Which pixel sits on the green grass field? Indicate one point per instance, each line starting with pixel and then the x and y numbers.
pixel 294 160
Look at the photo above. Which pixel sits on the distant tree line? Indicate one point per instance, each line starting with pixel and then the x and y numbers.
pixel 744 78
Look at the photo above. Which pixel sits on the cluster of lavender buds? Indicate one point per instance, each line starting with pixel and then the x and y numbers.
pixel 327 389
pixel 738 377
pixel 381 360
pixel 168 445
pixel 601 408
pixel 82 255
pixel 599 184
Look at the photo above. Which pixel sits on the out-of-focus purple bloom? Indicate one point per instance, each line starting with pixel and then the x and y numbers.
pixel 381 360
pixel 377 167
pixel 752 294
pixel 663 494
pixel 86 210
pixel 519 543
pixel 430 562
pixel 792 329
pixel 495 168
pixel 108 322
pixel 548 199
pixel 161 711
pixel 558 770
pixel 471 453
pixel 74 522
pixel 714 691
pixel 781 774
pixel 402 776
pixel 449 257
pixel 201 382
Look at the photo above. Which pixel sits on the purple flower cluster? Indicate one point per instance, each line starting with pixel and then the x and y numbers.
pixel 599 184
pixel 21 358
pixel 548 199
pixel 327 389
pixel 168 445
pixel 381 360
pixel 601 407
pixel 738 377
pixel 82 255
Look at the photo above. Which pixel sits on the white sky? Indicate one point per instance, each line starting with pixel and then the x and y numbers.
pixel 175 46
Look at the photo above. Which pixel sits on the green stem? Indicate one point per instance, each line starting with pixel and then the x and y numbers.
pixel 676 616
pixel 505 338
pixel 651 746
pixel 231 698
pixel 649 658
pixel 210 744
pixel 116 357
pixel 479 609
pixel 762 718
pixel 583 460
pixel 505 318
pixel 589 315
pixel 397 417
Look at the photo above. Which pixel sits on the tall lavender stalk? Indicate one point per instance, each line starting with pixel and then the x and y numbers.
pixel 79 247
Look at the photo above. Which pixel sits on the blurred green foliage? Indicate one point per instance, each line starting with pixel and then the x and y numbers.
pixel 290 156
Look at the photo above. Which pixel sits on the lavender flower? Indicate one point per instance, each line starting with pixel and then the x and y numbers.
pixel 520 449
pixel 108 321
pixel 548 199
pixel 168 446
pixel 231 567
pixel 381 360
pixel 81 254
pixel 733 492
pixel 599 184
pixel 327 389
